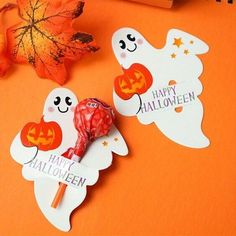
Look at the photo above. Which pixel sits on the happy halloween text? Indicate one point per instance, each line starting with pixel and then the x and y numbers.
pixel 58 168
pixel 165 98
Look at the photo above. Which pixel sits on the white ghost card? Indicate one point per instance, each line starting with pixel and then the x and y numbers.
pixel 162 85
pixel 42 147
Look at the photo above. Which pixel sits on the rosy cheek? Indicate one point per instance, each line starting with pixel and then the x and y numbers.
pixel 123 55
pixel 140 41
pixel 72 109
pixel 50 109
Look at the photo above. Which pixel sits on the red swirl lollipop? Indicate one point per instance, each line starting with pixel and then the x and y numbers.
pixel 92 119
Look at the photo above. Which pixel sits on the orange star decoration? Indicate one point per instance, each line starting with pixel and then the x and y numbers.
pixel 46 38
pixel 186 51
pixel 173 55
pixel 105 143
pixel 4 61
pixel 178 42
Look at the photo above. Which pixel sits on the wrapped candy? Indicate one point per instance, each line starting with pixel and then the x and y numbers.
pixel 92 119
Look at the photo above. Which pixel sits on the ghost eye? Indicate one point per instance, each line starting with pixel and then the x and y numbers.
pixel 68 101
pixel 122 44
pixel 57 101
pixel 130 37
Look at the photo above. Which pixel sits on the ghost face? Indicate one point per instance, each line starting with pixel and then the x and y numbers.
pixel 126 44
pixel 131 39
pixel 60 104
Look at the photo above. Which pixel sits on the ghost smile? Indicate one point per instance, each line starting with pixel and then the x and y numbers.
pixel 62 110
pixel 133 49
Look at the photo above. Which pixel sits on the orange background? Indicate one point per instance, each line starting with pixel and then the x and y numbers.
pixel 160 188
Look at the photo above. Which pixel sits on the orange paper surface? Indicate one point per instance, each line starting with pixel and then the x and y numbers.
pixel 161 188
pixel 158 3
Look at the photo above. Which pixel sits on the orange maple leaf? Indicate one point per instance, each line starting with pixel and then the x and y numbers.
pixel 46 38
pixel 4 62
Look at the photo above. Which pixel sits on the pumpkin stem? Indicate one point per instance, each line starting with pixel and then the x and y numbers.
pixel 42 119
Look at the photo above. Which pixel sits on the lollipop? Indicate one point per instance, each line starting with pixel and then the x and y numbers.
pixel 92 119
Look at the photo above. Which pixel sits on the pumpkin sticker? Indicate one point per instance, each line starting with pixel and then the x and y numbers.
pixel 45 135
pixel 136 80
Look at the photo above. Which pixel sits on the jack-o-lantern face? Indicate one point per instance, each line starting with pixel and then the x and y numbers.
pixel 136 80
pixel 45 135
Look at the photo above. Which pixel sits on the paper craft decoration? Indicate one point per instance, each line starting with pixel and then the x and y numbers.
pixel 169 96
pixel 46 39
pixel 51 167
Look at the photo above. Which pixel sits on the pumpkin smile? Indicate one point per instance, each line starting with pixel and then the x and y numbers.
pixel 62 110
pixel 40 140
pixel 132 49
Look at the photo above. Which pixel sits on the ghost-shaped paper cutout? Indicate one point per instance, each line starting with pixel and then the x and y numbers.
pixel 177 61
pixel 59 107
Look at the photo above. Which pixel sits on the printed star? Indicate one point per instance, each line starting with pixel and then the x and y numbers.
pixel 115 139
pixel 178 42
pixel 105 143
pixel 186 51
pixel 191 42
pixel 173 55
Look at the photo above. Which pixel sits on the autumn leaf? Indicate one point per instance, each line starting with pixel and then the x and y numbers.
pixel 4 61
pixel 46 38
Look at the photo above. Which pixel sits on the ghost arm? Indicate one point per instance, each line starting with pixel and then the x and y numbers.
pixel 99 153
pixel 21 153
pixel 128 107
pixel 186 66
pixel 194 44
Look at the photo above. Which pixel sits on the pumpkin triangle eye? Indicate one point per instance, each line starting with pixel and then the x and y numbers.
pixel 132 80
pixel 32 131
pixel 137 75
pixel 123 83
pixel 50 132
